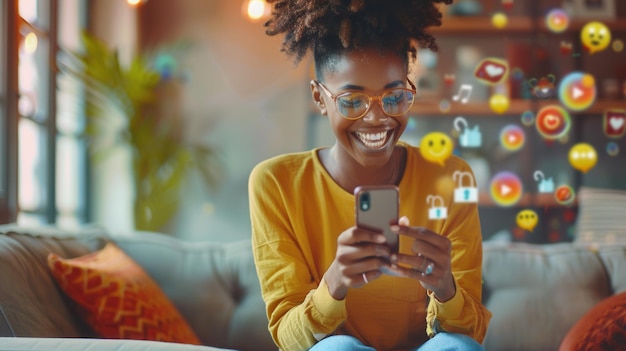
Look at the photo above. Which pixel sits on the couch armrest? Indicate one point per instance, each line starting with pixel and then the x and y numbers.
pixel 78 344
pixel 30 300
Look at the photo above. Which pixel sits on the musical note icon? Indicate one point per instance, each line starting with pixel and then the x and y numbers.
pixel 464 93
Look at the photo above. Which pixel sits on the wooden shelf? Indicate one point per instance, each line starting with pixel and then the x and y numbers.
pixel 473 25
pixel 527 200
pixel 516 107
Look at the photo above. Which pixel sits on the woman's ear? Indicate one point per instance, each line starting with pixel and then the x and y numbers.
pixel 317 97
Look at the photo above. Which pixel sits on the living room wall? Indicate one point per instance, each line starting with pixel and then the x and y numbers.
pixel 241 95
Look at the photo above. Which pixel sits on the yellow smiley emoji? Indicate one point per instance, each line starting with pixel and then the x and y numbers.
pixel 595 36
pixel 436 147
pixel 527 219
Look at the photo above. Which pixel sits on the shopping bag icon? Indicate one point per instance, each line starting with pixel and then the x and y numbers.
pixel 469 137
pixel 436 210
pixel 465 193
pixel 545 185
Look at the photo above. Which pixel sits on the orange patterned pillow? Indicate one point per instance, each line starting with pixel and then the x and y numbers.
pixel 116 297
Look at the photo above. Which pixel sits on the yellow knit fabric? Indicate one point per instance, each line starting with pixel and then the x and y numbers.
pixel 298 211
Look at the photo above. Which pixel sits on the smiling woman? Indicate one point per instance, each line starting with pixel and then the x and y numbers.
pixel 321 273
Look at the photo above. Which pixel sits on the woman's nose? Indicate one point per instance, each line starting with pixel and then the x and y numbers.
pixel 375 115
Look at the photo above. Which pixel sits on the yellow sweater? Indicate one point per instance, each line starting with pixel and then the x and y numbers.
pixel 298 211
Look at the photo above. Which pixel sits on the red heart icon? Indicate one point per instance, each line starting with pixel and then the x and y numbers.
pixel 507 4
pixel 551 122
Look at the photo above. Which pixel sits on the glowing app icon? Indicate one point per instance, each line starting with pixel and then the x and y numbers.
pixel 527 219
pixel 612 149
pixel 528 118
pixel 499 20
pixel 583 157
pixel 492 70
pixel 505 188
pixel 577 91
pixel 436 147
pixel 512 137
pixel 499 103
pixel 614 123
pixel 557 20
pixel 469 137
pixel 595 36
pixel 553 122
pixel 564 195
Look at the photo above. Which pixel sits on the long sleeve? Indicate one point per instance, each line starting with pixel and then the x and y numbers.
pixel 300 310
pixel 464 313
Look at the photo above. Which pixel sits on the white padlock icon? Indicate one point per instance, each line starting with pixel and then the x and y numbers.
pixel 545 185
pixel 437 210
pixel 469 137
pixel 464 193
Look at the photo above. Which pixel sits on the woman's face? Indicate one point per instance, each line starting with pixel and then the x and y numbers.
pixel 370 140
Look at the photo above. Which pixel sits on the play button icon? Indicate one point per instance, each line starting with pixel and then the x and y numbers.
pixel 506 188
pixel 577 93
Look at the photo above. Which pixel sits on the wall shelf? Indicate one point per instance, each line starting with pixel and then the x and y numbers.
pixel 473 25
pixel 516 107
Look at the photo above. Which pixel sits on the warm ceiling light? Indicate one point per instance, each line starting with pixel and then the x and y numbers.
pixel 30 43
pixel 135 2
pixel 256 9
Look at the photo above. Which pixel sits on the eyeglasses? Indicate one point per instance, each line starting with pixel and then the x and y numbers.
pixel 353 105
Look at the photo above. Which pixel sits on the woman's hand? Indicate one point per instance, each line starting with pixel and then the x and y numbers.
pixel 432 262
pixel 360 254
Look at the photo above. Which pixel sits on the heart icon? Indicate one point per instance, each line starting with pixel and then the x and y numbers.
pixel 551 121
pixel 494 71
pixel 616 123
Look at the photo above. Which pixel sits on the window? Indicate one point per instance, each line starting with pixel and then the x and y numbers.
pixel 50 149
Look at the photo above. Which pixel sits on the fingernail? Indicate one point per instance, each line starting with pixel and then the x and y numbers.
pixel 380 239
pixel 394 258
pixel 395 228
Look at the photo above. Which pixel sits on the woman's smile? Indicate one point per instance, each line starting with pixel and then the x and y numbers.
pixel 374 140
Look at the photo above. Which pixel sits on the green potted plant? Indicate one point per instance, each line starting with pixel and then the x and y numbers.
pixel 145 95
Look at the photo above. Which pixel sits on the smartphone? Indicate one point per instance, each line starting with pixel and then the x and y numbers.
pixel 377 209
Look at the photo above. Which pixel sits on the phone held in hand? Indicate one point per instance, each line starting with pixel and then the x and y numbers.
pixel 377 209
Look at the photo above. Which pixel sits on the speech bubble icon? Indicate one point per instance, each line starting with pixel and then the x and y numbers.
pixel 436 147
pixel 583 157
pixel 527 219
pixel 595 36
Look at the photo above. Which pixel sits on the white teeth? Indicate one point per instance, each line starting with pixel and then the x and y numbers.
pixel 372 140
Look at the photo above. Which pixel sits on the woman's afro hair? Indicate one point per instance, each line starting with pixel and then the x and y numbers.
pixel 330 27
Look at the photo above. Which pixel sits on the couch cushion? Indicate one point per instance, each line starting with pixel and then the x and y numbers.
pixel 118 299
pixel 84 344
pixel 213 285
pixel 603 328
pixel 29 297
pixel 537 292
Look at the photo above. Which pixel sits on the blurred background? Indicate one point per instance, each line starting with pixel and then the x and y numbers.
pixel 151 114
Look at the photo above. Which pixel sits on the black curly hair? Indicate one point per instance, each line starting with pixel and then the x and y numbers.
pixel 330 28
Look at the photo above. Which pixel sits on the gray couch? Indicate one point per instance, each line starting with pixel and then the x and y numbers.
pixel 536 292
pixel 213 285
